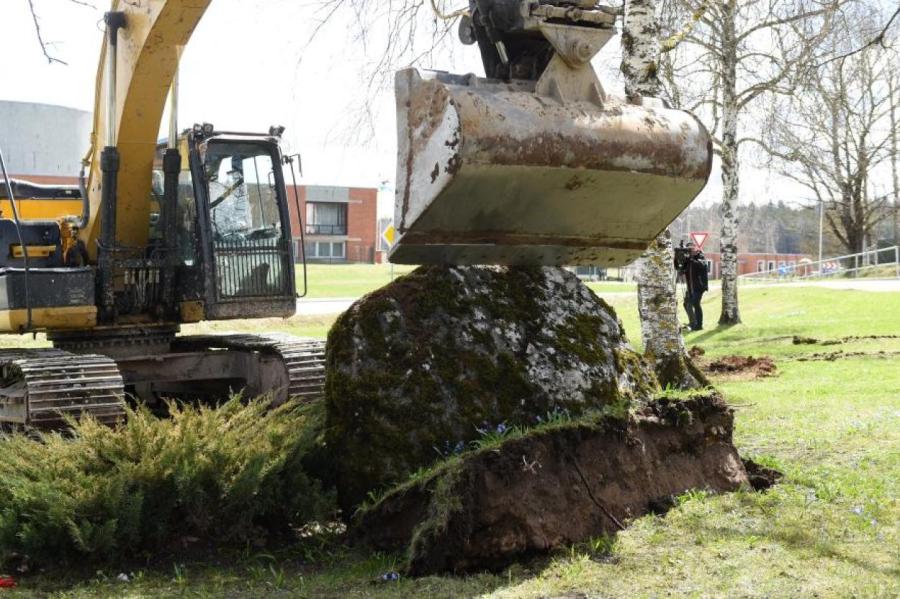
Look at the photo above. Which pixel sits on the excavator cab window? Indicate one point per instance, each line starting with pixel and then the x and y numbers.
pixel 243 204
pixel 251 255
pixel 186 218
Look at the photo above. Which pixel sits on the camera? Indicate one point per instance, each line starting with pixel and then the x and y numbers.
pixel 682 255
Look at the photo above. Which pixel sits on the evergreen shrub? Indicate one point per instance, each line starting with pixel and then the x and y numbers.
pixel 230 474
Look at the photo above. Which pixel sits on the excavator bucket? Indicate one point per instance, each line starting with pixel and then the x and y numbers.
pixel 549 171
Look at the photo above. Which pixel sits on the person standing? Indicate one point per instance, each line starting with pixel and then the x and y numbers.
pixel 697 279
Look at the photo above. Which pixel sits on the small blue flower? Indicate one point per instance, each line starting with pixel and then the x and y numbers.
pixel 857 510
pixel 390 576
pixel 501 428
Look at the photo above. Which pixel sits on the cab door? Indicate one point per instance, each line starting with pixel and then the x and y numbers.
pixel 246 231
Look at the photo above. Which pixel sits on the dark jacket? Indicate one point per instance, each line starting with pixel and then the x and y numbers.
pixel 695 274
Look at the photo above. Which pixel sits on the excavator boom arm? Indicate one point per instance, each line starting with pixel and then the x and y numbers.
pixel 146 61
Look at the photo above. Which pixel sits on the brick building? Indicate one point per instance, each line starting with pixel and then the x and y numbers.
pixel 752 263
pixel 339 223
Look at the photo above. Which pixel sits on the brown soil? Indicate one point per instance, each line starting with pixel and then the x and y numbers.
pixel 842 355
pixel 761 478
pixel 696 352
pixel 760 367
pixel 798 340
pixel 556 487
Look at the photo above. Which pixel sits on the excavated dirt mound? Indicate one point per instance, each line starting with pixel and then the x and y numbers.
pixel 841 355
pixel 798 340
pixel 743 365
pixel 761 478
pixel 696 352
pixel 555 486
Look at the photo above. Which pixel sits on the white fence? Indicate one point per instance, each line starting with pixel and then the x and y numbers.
pixel 850 265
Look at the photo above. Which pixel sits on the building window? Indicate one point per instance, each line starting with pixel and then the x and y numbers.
pixel 326 250
pixel 771 265
pixel 760 266
pixel 326 218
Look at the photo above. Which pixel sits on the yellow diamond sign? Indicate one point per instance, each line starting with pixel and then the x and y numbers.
pixel 389 236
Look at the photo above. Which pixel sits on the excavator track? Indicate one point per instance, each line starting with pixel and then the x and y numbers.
pixel 41 388
pixel 304 359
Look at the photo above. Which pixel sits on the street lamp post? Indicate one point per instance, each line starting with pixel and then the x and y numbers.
pixel 821 230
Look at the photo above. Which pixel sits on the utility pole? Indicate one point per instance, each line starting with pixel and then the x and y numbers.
pixel 821 230
pixel 892 82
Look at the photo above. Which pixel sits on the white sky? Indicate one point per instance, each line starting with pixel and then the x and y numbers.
pixel 243 71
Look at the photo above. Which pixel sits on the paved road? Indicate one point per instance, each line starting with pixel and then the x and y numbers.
pixel 322 307
pixel 877 285
pixel 881 285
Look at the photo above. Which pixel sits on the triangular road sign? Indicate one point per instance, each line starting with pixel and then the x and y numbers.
pixel 699 239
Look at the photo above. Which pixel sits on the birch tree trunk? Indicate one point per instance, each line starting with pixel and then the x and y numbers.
pixel 730 171
pixel 657 304
pixel 895 156
pixel 734 52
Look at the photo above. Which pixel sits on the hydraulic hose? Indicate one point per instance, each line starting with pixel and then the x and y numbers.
pixel 15 209
pixel 82 222
pixel 290 161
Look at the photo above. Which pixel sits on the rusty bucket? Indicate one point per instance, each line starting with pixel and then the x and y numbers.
pixel 491 172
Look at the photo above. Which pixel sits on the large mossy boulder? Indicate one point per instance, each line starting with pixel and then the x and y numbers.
pixel 424 366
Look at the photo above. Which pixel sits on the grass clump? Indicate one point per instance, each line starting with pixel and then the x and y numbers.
pixel 230 474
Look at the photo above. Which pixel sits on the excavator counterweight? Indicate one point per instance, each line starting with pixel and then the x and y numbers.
pixel 536 164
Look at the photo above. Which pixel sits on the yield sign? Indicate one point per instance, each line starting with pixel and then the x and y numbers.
pixel 389 236
pixel 699 239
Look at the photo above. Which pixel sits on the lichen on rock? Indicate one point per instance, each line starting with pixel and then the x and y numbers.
pixel 415 369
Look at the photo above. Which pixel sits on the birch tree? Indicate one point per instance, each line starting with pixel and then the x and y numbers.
pixel 737 52
pixel 657 303
pixel 838 132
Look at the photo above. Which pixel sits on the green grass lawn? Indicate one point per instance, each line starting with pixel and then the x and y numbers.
pixel 830 529
pixel 347 280
pixel 355 280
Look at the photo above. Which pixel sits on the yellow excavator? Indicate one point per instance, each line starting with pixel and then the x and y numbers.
pixel 534 164
pixel 195 229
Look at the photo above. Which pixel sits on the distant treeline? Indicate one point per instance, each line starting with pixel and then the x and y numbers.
pixel 772 228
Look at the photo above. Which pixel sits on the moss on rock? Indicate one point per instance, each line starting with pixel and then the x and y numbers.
pixel 416 368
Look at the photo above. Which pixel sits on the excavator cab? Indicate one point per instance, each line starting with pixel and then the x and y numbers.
pixel 536 164
pixel 232 227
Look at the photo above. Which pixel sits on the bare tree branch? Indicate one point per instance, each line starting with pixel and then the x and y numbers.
pixel 835 130
pixel 37 29
pixel 396 34
pixel 878 39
